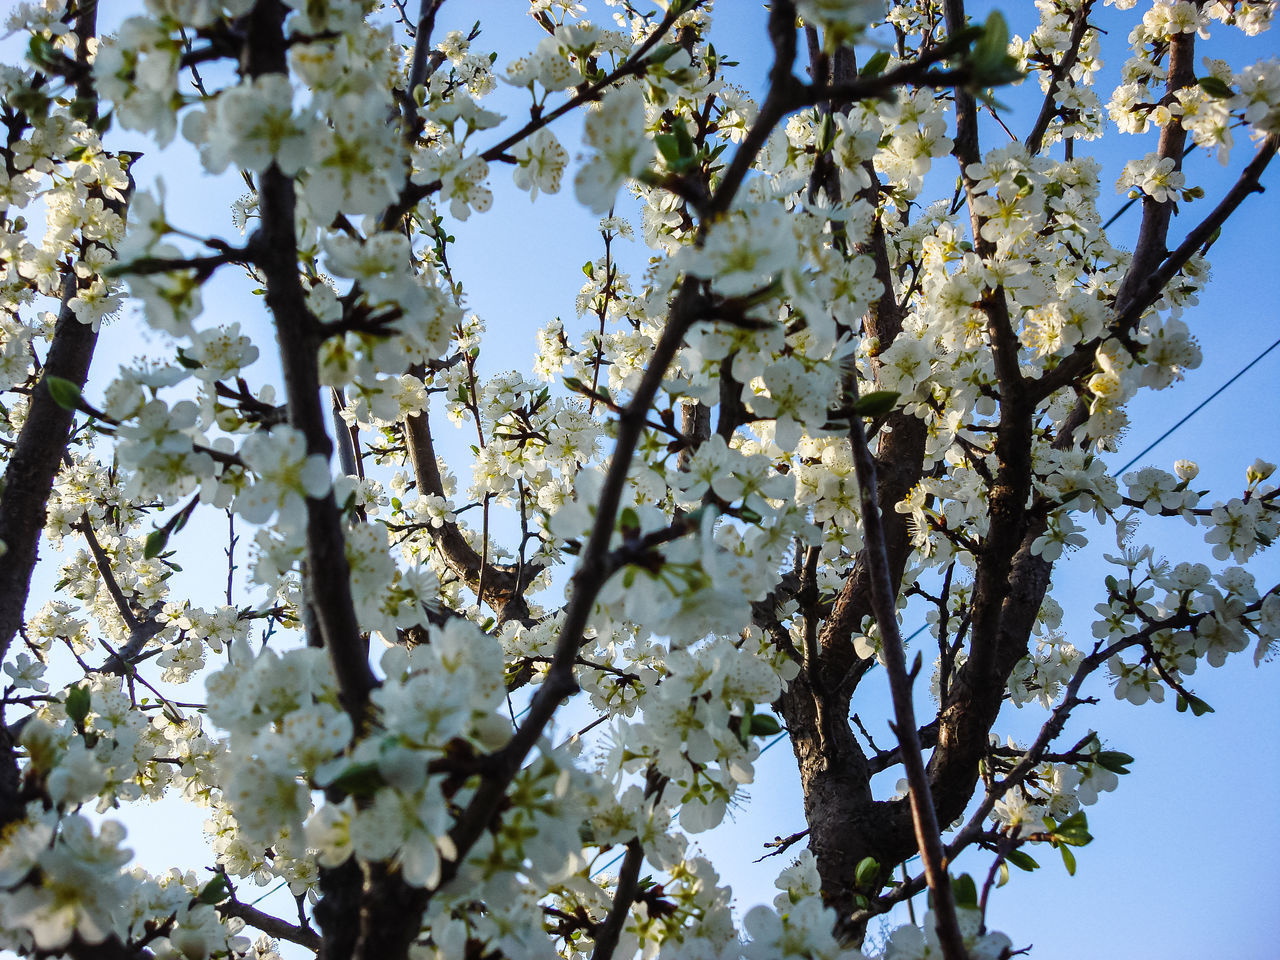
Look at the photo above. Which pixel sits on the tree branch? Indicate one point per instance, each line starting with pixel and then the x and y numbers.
pixel 592 571
pixel 274 249
pixel 607 934
pixel 1147 289
pixel 1061 70
pixel 270 925
pixel 883 595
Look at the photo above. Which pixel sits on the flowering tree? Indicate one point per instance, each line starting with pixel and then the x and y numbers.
pixel 826 396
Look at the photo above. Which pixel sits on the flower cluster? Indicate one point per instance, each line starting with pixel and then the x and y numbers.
pixel 667 509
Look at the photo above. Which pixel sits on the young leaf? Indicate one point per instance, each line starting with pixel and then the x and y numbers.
pixel 359 780
pixel 77 703
pixel 1114 760
pixel 628 523
pixel 215 891
pixel 65 393
pixel 876 403
pixel 875 64
pixel 157 540
pixel 867 874
pixel 763 725
pixel 1198 706
pixel 1023 861
pixel 1069 859
pixel 1215 87
pixel 965 891
pixel 1074 830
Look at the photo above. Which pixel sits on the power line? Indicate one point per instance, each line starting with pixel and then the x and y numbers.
pixel 1198 407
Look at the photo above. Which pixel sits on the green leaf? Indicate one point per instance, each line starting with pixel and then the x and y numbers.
pixel 668 146
pixel 180 521
pixel 77 704
pixel 867 873
pixel 1215 87
pixel 1074 830
pixel 64 393
pixel 876 403
pixel 875 65
pixel 990 58
pixel 1198 706
pixel 965 891
pixel 683 139
pixel 215 891
pixel 359 780
pixel 1069 859
pixel 42 53
pixel 157 540
pixel 826 134
pixel 994 42
pixel 1023 861
pixel 628 522
pixel 1114 760
pixel 763 725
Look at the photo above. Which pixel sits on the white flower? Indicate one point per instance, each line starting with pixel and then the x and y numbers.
pixel 540 163
pixel 256 127
pixel 25 672
pixel 285 474
pixel 616 129
pixel 221 352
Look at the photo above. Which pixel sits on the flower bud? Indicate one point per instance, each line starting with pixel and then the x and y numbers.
pixel 1258 471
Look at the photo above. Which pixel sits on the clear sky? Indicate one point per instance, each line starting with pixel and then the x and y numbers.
pixel 1184 864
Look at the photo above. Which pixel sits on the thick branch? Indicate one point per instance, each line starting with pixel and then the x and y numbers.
pixel 270 925
pixel 38 452
pixel 35 461
pixel 422 53
pixel 274 249
pixel 1153 232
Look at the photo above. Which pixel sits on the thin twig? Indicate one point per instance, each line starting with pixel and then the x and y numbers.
pixel 924 816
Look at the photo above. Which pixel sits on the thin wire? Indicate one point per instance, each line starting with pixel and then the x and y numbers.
pixel 1200 406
